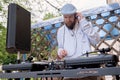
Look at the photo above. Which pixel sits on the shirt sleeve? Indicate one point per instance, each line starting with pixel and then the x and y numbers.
pixel 60 35
pixel 88 29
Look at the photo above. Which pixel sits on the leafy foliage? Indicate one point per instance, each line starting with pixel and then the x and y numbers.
pixel 48 16
pixel 5 58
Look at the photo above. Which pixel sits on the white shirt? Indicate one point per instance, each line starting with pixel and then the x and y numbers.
pixel 76 42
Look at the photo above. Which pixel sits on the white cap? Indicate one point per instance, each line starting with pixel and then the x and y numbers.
pixel 68 9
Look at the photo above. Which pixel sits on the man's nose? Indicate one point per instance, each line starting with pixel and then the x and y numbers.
pixel 68 19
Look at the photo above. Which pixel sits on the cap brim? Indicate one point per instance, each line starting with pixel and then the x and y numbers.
pixel 65 12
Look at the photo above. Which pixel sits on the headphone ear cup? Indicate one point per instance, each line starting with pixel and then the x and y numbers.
pixel 76 17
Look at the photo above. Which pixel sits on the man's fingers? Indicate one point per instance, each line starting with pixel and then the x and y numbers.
pixel 63 53
pixel 80 16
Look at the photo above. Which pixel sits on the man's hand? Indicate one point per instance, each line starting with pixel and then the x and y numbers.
pixel 79 16
pixel 63 53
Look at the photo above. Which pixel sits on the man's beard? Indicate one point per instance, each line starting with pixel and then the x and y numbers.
pixel 71 27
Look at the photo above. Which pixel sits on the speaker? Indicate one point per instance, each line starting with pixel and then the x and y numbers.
pixel 18 36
